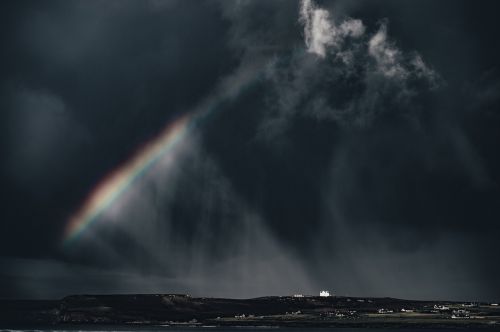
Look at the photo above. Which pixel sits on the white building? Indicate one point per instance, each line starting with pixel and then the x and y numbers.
pixel 441 307
pixel 385 311
pixel 324 293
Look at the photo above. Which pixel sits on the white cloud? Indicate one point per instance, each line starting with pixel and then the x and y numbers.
pixel 387 57
pixel 364 75
pixel 354 28
pixel 321 32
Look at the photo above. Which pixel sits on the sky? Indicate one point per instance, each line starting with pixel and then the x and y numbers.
pixel 249 148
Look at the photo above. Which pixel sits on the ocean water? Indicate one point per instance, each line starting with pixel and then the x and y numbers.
pixel 228 329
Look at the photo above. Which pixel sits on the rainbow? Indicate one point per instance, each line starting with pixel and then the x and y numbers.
pixel 118 181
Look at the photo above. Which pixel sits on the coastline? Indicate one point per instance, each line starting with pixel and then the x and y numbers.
pixel 165 311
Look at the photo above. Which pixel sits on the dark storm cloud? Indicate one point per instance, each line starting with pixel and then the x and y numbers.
pixel 361 115
pixel 356 148
pixel 85 77
pixel 41 138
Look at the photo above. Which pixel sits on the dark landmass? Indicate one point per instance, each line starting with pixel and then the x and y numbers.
pixel 285 311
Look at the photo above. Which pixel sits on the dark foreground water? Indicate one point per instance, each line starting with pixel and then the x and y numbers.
pixel 235 329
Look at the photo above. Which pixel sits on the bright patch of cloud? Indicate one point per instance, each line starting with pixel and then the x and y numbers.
pixel 320 31
pixel 387 57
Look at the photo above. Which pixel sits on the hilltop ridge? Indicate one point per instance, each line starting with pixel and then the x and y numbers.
pixel 290 311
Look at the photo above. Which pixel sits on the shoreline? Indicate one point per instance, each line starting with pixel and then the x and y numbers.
pixel 174 311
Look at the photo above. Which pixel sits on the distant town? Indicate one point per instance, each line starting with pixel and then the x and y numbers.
pixel 297 310
pixel 455 311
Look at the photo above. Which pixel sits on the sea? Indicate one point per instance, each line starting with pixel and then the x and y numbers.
pixel 233 329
